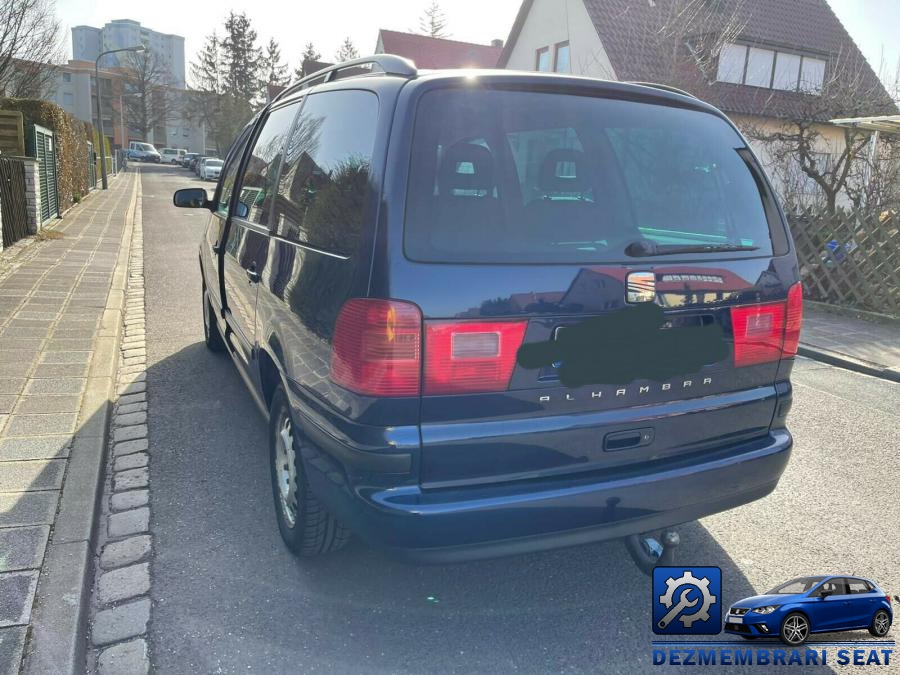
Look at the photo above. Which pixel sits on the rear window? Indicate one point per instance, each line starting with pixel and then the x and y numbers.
pixel 502 176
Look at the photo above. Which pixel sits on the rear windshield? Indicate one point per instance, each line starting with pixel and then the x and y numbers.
pixel 146 147
pixel 213 162
pixel 519 177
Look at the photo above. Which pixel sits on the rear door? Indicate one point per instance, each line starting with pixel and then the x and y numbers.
pixel 247 241
pixel 522 215
pixel 863 602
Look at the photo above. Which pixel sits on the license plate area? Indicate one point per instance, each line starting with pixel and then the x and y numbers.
pixel 735 619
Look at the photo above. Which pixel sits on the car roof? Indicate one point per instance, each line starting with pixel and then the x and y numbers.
pixel 523 80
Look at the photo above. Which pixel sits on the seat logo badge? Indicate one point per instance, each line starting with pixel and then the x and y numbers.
pixel 641 287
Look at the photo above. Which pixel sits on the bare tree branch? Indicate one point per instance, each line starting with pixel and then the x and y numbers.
pixel 30 47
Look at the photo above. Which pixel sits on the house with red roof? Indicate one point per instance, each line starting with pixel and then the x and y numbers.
pixel 762 62
pixel 434 53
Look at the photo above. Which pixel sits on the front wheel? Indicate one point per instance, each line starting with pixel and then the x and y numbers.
pixel 305 525
pixel 881 623
pixel 794 629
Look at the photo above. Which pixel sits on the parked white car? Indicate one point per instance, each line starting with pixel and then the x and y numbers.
pixel 172 155
pixel 210 168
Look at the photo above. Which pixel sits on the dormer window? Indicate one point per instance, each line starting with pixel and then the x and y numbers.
pixel 771 68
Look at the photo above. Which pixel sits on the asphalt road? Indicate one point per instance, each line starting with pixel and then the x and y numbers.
pixel 228 597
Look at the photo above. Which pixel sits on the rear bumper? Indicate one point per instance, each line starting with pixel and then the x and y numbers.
pixel 464 524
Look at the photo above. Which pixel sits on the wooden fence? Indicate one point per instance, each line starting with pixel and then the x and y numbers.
pixel 13 215
pixel 12 133
pixel 850 259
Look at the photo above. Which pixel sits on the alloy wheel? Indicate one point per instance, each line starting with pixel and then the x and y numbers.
pixel 882 622
pixel 286 469
pixel 796 628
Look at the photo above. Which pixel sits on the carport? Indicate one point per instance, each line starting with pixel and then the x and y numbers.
pixel 887 124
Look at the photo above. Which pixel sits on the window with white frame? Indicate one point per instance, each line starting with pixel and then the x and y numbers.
pixel 770 69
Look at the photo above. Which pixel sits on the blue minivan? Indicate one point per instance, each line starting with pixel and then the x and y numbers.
pixel 491 312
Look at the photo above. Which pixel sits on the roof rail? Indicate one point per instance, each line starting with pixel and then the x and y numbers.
pixel 664 87
pixel 389 64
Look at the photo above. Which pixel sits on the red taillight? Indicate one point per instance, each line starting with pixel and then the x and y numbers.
pixel 793 320
pixel 470 356
pixel 888 597
pixel 377 347
pixel 764 333
pixel 758 333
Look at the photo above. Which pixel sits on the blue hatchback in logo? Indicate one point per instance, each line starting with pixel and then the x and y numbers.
pixel 819 604
pixel 687 600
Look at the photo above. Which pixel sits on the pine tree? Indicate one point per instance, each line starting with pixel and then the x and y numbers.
pixel 241 59
pixel 206 71
pixel 275 72
pixel 346 52
pixel 434 22
pixel 310 53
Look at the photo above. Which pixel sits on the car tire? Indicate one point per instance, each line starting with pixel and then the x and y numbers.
pixel 881 623
pixel 212 336
pixel 794 629
pixel 306 526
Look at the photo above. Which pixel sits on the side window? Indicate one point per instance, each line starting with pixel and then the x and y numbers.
pixel 229 175
pixel 837 586
pixel 324 180
pixel 258 184
pixel 858 586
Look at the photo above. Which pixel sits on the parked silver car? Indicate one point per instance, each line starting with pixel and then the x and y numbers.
pixel 210 167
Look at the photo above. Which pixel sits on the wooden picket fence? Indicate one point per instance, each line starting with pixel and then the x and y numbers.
pixel 850 259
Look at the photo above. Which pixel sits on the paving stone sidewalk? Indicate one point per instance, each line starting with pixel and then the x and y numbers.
pixel 870 345
pixel 52 302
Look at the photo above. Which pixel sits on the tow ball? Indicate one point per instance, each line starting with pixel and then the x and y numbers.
pixel 649 551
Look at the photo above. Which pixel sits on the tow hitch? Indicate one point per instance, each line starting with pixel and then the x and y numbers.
pixel 648 551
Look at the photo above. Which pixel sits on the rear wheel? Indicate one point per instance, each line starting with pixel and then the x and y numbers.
pixel 881 622
pixel 794 629
pixel 305 525
pixel 211 334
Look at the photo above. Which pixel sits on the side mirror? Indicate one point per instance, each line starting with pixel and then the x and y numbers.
pixel 191 198
pixel 825 594
pixel 241 210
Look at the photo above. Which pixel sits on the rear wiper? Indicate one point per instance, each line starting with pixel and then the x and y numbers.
pixel 643 248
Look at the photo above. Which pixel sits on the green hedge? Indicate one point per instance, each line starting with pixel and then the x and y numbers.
pixel 70 136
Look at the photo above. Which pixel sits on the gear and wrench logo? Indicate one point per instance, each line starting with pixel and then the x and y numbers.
pixel 676 608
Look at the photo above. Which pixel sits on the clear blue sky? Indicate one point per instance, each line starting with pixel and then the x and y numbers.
pixel 874 24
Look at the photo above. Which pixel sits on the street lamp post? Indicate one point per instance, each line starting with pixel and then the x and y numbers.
pixel 138 48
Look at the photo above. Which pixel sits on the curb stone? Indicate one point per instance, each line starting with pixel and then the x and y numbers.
pixel 121 602
pixel 57 635
pixel 849 363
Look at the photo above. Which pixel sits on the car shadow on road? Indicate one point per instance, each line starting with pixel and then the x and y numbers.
pixel 227 591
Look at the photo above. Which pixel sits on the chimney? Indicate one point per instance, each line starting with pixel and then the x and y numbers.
pixel 497 43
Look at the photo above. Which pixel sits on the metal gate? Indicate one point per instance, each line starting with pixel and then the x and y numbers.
pixel 12 200
pixel 41 145
pixel 92 166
